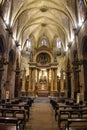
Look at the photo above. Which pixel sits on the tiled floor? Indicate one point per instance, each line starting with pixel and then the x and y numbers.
pixel 41 116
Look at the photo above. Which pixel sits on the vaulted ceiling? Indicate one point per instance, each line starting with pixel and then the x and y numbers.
pixel 42 18
pixel 52 18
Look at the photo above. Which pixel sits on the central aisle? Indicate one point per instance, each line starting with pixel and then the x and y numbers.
pixel 41 116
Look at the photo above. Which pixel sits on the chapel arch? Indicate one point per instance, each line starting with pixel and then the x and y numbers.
pixel 84 53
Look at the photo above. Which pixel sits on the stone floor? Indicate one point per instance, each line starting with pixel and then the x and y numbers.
pixel 41 116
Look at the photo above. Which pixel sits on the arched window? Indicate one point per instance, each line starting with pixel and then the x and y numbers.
pixel 58 44
pixel 58 47
pixel 81 12
pixel 28 46
pixel 44 41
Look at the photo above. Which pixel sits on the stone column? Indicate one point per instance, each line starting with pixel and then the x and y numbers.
pixel 55 79
pixel 48 79
pixel 17 89
pixel 72 86
pixel 23 81
pixel 33 79
pixel 37 78
pixel 62 84
pixel 30 78
pixel 58 83
pixel 23 84
pixel 52 78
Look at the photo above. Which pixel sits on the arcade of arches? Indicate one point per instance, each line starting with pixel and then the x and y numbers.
pixel 43 48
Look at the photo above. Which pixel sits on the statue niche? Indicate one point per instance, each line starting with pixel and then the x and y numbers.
pixel 42 82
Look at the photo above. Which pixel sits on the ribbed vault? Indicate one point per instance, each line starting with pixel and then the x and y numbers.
pixel 43 17
pixel 50 19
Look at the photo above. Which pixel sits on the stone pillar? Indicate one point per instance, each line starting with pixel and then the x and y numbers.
pixel 72 86
pixel 33 79
pixel 62 84
pixel 52 78
pixel 30 78
pixel 55 79
pixel 48 79
pixel 23 84
pixel 38 78
pixel 58 83
pixel 23 81
pixel 3 81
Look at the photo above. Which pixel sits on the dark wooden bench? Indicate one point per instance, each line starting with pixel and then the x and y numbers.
pixel 18 106
pixel 9 120
pixel 7 127
pixel 63 115
pixel 20 114
pixel 22 106
pixel 64 106
pixel 76 124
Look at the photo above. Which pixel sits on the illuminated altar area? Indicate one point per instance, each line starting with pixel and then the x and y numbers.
pixel 42 79
pixel 43 89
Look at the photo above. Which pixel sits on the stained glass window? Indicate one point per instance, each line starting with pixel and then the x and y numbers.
pixel 81 12
pixel 58 43
pixel 28 46
pixel 44 41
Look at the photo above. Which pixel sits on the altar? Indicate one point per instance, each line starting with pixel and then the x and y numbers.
pixel 43 93
pixel 42 90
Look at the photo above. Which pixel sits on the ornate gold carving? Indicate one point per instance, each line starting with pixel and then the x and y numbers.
pixel 43 58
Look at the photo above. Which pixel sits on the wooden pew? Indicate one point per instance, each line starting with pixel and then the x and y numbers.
pixel 63 106
pixel 18 106
pixel 22 106
pixel 9 120
pixel 7 127
pixel 20 114
pixel 76 124
pixel 63 115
